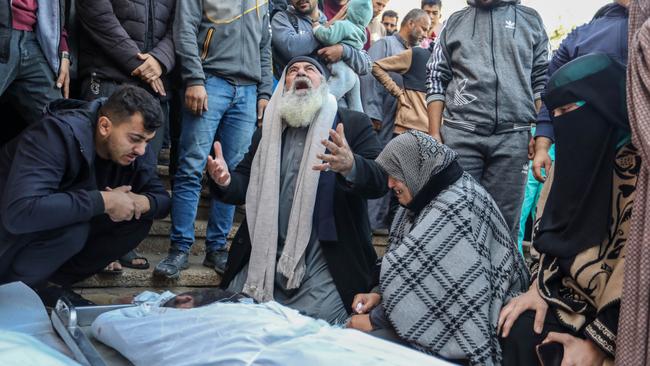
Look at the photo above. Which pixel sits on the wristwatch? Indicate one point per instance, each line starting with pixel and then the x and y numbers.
pixel 65 54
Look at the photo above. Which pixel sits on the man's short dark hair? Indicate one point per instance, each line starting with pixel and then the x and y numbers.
pixel 414 15
pixel 129 100
pixel 390 14
pixel 431 3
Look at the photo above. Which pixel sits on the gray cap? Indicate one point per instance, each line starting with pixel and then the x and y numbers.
pixel 311 60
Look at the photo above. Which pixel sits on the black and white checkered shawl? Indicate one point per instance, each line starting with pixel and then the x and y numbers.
pixel 447 273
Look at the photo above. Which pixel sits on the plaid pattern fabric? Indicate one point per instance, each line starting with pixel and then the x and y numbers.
pixel 448 272
pixel 633 341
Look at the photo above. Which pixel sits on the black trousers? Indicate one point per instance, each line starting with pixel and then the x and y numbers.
pixel 69 254
pixel 519 348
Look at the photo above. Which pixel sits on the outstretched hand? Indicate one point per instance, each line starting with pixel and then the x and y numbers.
pixel 217 167
pixel 340 159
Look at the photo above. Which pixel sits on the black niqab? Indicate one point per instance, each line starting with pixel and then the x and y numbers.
pixel 577 213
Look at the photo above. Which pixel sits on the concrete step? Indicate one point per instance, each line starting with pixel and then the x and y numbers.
pixel 155 248
pixel 158 240
pixel 195 276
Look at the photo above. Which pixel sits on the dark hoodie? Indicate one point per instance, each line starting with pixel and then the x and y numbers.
pixel 489 67
pixel 606 33
pixel 50 175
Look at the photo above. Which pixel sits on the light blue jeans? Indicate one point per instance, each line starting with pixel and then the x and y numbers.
pixel 231 118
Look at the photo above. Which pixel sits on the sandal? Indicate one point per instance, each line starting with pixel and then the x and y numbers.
pixel 127 260
pixel 114 271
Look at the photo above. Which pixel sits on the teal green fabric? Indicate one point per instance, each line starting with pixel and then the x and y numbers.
pixel 533 189
pixel 351 30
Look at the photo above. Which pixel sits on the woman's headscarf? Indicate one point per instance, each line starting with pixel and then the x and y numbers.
pixel 422 163
pixel 577 212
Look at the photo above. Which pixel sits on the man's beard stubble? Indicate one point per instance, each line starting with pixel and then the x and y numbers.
pixel 486 4
pixel 300 110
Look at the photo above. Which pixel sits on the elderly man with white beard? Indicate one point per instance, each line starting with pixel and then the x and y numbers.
pixel 306 240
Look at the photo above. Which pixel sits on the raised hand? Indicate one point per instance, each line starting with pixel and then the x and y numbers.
pixel 340 159
pixel 217 167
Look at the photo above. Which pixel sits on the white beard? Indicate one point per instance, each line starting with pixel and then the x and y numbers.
pixel 300 110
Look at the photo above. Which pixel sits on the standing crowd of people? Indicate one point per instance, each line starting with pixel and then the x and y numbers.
pixel 328 121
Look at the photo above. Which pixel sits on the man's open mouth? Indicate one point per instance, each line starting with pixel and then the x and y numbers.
pixel 302 85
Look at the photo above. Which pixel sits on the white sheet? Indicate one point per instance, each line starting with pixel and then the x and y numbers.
pixel 26 333
pixel 25 350
pixel 243 334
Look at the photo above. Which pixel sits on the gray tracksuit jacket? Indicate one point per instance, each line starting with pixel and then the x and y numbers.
pixel 227 38
pixel 489 66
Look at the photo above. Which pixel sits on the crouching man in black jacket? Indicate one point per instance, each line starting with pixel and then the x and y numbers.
pixel 77 191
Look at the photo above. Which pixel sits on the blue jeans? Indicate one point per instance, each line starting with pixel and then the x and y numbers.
pixel 231 118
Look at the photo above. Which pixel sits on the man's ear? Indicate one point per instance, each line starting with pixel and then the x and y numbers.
pixel 104 126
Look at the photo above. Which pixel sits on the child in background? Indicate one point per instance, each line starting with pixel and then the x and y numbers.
pixel 351 30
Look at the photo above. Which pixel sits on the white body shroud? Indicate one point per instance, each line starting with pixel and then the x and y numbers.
pixel 242 334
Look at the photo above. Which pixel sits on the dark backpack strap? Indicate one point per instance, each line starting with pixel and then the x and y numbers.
pixel 293 19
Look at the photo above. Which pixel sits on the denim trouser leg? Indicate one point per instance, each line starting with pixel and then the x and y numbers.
pixel 231 112
pixel 235 133
pixel 27 78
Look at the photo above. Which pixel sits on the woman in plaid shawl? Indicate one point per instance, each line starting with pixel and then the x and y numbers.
pixel 451 262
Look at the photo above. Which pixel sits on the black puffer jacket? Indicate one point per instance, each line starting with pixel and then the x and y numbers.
pixel 114 31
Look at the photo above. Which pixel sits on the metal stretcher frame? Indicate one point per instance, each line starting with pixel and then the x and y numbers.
pixel 68 320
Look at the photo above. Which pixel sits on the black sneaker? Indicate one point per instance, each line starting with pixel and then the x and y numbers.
pixel 172 265
pixel 51 293
pixel 217 260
